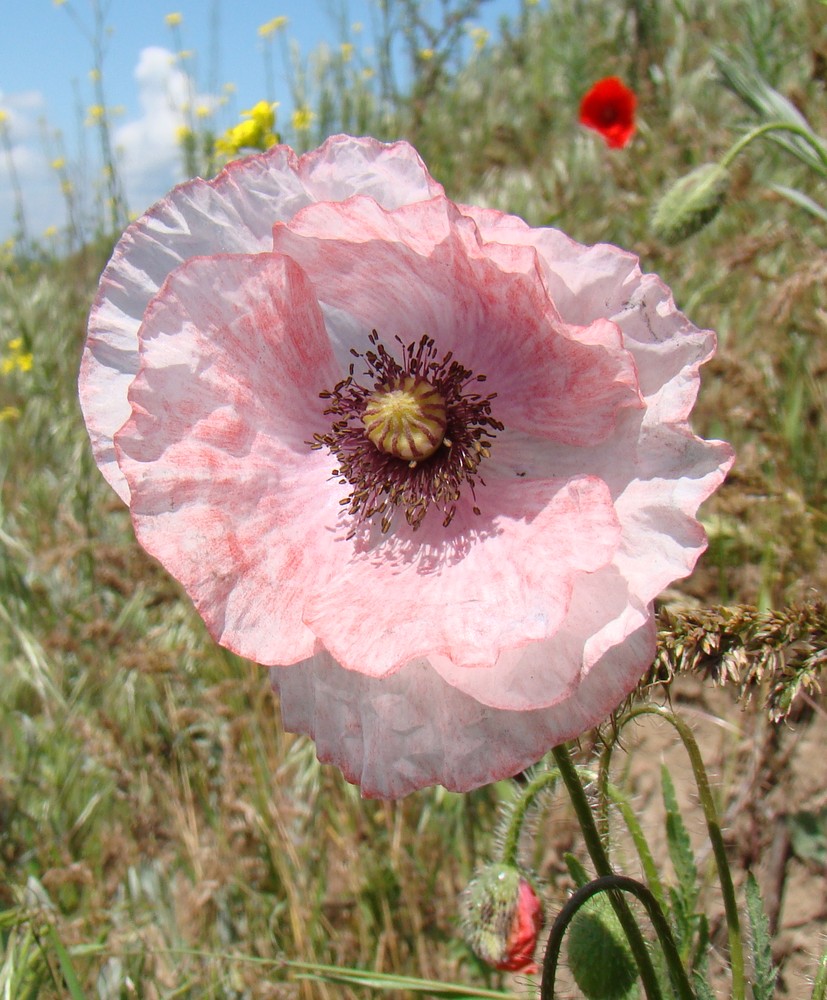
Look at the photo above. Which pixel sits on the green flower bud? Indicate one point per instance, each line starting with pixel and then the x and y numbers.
pixel 502 916
pixel 599 955
pixel 691 203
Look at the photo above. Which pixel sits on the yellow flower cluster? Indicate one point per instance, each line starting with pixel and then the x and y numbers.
pixel 256 131
pixel 16 358
pixel 173 19
pixel 9 414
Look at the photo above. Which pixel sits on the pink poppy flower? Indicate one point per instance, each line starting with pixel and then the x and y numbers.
pixel 609 108
pixel 444 536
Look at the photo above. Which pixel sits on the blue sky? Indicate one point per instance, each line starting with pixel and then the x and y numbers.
pixel 45 84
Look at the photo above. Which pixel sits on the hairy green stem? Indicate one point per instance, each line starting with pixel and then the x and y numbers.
pixel 761 130
pixel 511 841
pixel 736 947
pixel 600 859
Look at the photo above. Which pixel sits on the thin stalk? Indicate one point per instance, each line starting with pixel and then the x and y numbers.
pixel 511 840
pixel 761 130
pixel 736 947
pixel 594 845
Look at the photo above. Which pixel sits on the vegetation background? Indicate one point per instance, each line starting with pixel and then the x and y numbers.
pixel 155 820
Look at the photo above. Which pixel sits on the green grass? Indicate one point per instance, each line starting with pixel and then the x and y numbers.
pixel 159 832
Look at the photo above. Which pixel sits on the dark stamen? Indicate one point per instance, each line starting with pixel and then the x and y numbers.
pixel 382 483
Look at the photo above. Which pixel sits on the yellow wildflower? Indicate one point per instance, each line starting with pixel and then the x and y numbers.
pixel 186 54
pixel 182 134
pixel 94 114
pixel 17 358
pixel 67 187
pixel 203 111
pixel 94 75
pixel 480 37
pixel 49 232
pixel 9 413
pixel 346 49
pixel 302 119
pixel 426 55
pixel 174 19
pixel 368 72
pixel 263 114
pixel 229 88
pixel 4 116
pixel 58 163
pixel 58 3
pixel 271 27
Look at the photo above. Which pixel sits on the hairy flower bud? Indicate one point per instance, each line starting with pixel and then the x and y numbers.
pixel 691 203
pixel 502 916
pixel 599 955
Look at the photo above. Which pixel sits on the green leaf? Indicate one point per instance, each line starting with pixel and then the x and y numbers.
pixel 764 972
pixel 808 836
pixel 679 844
pixel 757 94
pixel 578 873
pixel 802 200
pixel 820 984
pixel 390 981
pixel 66 967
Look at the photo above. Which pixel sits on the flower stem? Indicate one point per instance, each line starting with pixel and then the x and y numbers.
pixel 511 841
pixel 602 866
pixel 761 130
pixel 736 947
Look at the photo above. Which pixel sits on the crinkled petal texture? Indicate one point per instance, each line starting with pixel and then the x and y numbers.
pixel 234 213
pixel 453 654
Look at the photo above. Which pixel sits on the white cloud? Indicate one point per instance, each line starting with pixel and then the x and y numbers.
pixel 42 201
pixel 148 156
pixel 148 152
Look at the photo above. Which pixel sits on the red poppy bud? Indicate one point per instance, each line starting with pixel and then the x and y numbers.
pixel 609 108
pixel 503 917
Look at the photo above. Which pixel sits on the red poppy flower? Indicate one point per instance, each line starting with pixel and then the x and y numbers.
pixel 609 108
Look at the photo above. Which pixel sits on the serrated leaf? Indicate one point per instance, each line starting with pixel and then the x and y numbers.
pixel 764 972
pixel 679 844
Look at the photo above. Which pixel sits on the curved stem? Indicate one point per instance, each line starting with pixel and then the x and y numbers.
pixel 594 845
pixel 536 785
pixel 736 947
pixel 608 883
pixel 760 130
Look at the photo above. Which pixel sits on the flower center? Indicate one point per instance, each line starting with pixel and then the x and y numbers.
pixel 412 440
pixel 406 419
